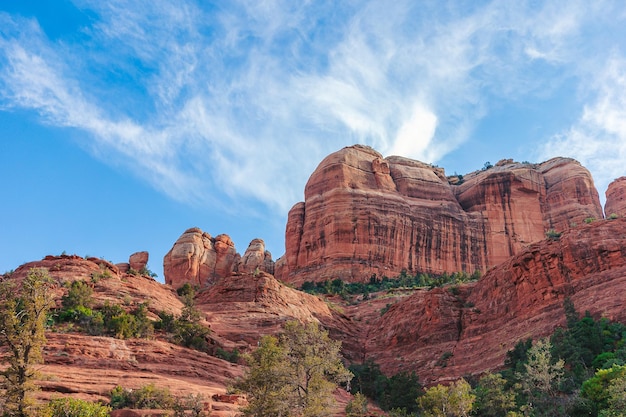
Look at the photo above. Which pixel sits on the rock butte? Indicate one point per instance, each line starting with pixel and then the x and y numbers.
pixel 365 215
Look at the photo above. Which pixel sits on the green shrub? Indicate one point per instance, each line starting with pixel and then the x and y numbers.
pixel 232 356
pixel 444 358
pixel 396 392
pixel 146 397
pixel 190 406
pixel 553 234
pixel 73 407
pixel 589 220
pixel 79 294
pixel 102 273
pixel 145 272
pixel 385 309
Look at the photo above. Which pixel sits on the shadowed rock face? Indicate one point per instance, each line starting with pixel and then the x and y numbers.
pixel 365 215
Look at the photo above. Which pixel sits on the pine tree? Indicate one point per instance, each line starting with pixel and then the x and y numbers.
pixel 294 374
pixel 23 314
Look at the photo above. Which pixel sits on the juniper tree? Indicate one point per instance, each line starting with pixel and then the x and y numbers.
pixel 294 374
pixel 23 314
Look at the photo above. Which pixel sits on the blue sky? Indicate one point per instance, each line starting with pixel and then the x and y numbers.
pixel 123 123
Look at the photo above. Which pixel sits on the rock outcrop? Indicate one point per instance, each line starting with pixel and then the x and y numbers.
pixel 256 258
pixel 365 215
pixel 138 260
pixel 201 260
pixel 616 198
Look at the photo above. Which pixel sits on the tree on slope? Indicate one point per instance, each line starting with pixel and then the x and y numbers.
pixel 294 374
pixel 455 400
pixel 23 313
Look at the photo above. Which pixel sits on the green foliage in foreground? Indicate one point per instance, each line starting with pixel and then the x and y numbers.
pixel 72 407
pixel 294 374
pixel 23 315
pixel 579 371
pixel 396 392
pixel 152 397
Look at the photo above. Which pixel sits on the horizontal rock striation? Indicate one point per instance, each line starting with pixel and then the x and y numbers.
pixel 364 214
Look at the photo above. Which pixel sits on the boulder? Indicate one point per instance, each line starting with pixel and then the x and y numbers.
pixel 138 260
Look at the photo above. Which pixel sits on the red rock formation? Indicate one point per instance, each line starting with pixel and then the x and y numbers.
pixel 199 259
pixel 523 297
pixel 256 258
pixel 616 198
pixel 363 215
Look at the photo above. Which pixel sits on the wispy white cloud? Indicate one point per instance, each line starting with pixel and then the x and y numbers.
pixel 235 101
pixel 598 138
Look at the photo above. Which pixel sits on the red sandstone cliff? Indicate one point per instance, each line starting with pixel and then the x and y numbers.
pixel 363 214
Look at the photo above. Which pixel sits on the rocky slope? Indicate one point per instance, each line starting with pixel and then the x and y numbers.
pixel 238 310
pixel 478 323
pixel 365 215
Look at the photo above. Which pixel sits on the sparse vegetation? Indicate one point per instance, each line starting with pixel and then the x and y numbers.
pixel 186 330
pixel 73 407
pixel 553 234
pixel 375 284
pixel 444 358
pixel 233 356
pixel 102 273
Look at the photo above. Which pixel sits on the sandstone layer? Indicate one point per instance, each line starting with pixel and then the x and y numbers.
pixel 364 214
pixel 201 260
pixel 616 198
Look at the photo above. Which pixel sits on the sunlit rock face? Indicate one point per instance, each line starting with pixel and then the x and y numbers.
pixel 616 198
pixel 364 214
pixel 201 260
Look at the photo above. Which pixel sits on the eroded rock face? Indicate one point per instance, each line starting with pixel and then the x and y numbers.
pixel 616 198
pixel 256 258
pixel 476 324
pixel 201 260
pixel 365 215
